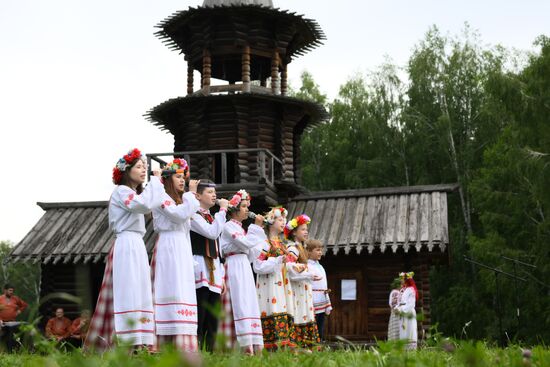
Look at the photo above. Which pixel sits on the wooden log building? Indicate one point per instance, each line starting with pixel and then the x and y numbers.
pixel 246 134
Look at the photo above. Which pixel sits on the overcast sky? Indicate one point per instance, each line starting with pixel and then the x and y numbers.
pixel 76 77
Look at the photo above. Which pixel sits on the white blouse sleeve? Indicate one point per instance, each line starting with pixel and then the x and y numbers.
pixel 143 203
pixel 202 227
pixel 266 265
pixel 183 211
pixel 240 240
pixel 408 301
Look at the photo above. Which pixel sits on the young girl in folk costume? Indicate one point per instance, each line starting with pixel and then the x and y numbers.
pixel 209 274
pixel 307 334
pixel 321 299
pixel 275 295
pixel 405 309
pixel 393 325
pixel 174 295
pixel 125 300
pixel 236 245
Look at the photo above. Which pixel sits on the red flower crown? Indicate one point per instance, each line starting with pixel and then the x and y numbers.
pixel 238 197
pixel 123 163
pixel 295 223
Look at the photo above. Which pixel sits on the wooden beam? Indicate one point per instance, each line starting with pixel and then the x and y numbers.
pixel 190 71
pixel 206 71
pixel 246 69
pixel 275 72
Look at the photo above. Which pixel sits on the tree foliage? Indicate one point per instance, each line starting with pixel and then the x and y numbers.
pixel 455 113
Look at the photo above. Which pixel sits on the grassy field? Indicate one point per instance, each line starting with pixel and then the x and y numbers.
pixel 447 354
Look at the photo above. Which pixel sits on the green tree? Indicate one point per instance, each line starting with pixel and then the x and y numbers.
pixel 25 277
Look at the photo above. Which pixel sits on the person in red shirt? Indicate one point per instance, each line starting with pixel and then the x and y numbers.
pixel 10 307
pixel 59 327
pixel 79 328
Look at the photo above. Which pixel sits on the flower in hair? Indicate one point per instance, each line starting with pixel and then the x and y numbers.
pixel 178 165
pixel 238 197
pixel 274 213
pixel 295 223
pixel 408 275
pixel 124 162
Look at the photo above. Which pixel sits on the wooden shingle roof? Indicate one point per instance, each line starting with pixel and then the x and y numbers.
pixel 407 217
pixel 380 218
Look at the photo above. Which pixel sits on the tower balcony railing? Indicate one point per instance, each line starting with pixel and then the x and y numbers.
pixel 226 166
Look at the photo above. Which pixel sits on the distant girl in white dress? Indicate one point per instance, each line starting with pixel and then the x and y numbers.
pixel 174 294
pixel 406 310
pixel 236 246
pixel 125 306
pixel 394 299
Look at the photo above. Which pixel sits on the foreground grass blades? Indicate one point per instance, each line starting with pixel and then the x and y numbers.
pixel 385 354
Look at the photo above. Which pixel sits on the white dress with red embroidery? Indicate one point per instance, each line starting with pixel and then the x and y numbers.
pixel 321 299
pixel 131 274
pixel 212 231
pixel 304 313
pixel 236 246
pixel 174 294
pixel 407 317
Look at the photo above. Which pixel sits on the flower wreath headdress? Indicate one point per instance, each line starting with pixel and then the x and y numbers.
pixel 238 197
pixel 178 165
pixel 295 223
pixel 408 275
pixel 124 162
pixel 275 212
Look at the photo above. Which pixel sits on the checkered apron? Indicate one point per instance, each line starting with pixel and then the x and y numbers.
pixel 101 331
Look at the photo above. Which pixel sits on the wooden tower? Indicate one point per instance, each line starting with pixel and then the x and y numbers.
pixel 239 128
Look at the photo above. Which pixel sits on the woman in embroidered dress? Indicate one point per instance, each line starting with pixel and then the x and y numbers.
pixel 236 246
pixel 393 325
pixel 125 300
pixel 307 334
pixel 275 295
pixel 174 294
pixel 406 310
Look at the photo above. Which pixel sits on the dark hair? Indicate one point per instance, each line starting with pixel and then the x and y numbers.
pixel 125 180
pixel 204 184
pixel 396 283
pixel 8 286
pixel 171 189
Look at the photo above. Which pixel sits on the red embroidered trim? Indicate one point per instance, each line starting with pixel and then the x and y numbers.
pixel 135 331
pixel 248 318
pixel 174 303
pixel 123 312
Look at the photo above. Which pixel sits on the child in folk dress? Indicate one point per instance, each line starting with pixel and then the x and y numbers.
pixel 125 304
pixel 275 295
pixel 209 274
pixel 174 295
pixel 236 246
pixel 321 299
pixel 307 334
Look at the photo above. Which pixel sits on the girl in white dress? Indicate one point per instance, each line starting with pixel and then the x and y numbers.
pixel 175 300
pixel 125 305
pixel 406 310
pixel 307 334
pixel 275 295
pixel 237 246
